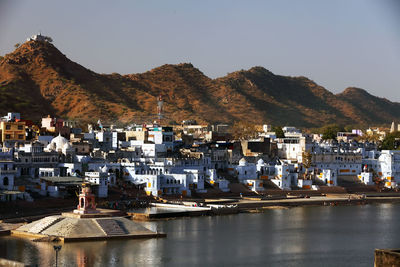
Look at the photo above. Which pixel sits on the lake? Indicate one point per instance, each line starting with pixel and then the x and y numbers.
pixel 302 236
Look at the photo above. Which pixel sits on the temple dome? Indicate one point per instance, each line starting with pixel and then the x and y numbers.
pixel 67 146
pixel 59 143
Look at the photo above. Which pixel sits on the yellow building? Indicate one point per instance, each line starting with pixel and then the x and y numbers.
pixel 12 131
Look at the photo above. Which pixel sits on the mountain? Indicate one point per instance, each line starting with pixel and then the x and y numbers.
pixel 375 109
pixel 37 79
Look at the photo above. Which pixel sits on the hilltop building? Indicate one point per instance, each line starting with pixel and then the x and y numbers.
pixel 40 38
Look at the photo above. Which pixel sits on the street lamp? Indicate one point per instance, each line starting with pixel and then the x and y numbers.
pixel 57 249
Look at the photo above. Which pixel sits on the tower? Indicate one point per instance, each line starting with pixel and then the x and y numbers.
pixel 160 104
pixel 392 129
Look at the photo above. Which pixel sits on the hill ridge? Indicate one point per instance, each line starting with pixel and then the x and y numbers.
pixel 37 79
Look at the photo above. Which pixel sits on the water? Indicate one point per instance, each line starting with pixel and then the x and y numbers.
pixel 304 236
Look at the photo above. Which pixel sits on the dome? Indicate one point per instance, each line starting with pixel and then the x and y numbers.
pixel 67 146
pixel 260 162
pixel 58 142
pixel 242 162
pixel 49 147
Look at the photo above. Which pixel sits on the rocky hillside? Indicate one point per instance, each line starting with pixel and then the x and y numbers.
pixel 375 109
pixel 37 79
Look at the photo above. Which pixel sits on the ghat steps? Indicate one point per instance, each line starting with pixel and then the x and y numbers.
pixel 45 223
pixel 110 227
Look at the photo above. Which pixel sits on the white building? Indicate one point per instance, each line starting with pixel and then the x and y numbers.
pixel 246 171
pixel 101 179
pixel 291 131
pixel 247 174
pixel 328 176
pixel 7 171
pixel 283 175
pixel 366 178
pixel 385 165
pixel 292 148
pixel 344 163
pixel 39 37
pixel 62 146
pixel 169 175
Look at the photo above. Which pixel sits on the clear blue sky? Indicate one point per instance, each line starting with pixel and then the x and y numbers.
pixel 337 43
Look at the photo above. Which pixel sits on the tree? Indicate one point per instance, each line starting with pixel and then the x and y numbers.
pixel 391 141
pixel 374 137
pixel 278 131
pixel 17 45
pixel 330 131
pixel 307 159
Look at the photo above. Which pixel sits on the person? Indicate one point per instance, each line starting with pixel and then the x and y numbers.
pixel 241 196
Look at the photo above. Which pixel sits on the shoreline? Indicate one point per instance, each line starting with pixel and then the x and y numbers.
pixel 251 205
pixel 254 206
pixel 244 205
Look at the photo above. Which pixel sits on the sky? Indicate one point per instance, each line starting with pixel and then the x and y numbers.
pixel 337 44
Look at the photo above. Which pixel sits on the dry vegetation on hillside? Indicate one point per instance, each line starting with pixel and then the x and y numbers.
pixel 37 79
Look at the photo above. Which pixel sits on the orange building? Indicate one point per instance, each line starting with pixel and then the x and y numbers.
pixel 12 131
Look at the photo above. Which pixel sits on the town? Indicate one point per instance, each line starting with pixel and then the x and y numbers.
pixel 198 133
pixel 189 160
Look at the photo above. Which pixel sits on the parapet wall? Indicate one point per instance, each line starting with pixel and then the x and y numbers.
pixel 10 263
pixel 387 258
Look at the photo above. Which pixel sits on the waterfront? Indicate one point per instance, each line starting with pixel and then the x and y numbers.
pixel 303 236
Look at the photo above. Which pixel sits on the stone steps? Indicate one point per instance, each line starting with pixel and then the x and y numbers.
pixel 44 224
pixel 110 227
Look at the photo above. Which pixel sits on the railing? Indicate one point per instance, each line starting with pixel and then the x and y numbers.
pixel 2 171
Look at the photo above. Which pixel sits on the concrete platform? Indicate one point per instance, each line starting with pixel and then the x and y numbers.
pixel 101 213
pixel 69 228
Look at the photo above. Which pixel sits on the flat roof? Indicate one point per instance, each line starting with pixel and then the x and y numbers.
pixel 62 179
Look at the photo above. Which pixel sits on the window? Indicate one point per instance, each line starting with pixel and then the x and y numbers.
pixel 8 136
pixel 8 127
pixel 19 127
pixel 20 136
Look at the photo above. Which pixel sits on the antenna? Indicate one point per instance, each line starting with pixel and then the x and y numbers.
pixel 160 104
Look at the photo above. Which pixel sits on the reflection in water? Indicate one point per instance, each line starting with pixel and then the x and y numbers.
pixel 304 236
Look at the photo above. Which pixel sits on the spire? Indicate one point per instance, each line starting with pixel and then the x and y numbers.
pixel 392 127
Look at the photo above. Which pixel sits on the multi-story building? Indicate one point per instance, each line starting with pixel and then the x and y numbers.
pixel 12 131
pixel 7 171
pixel 170 175
pixel 344 163
pixel 56 125
pixel 386 166
pixel 292 148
